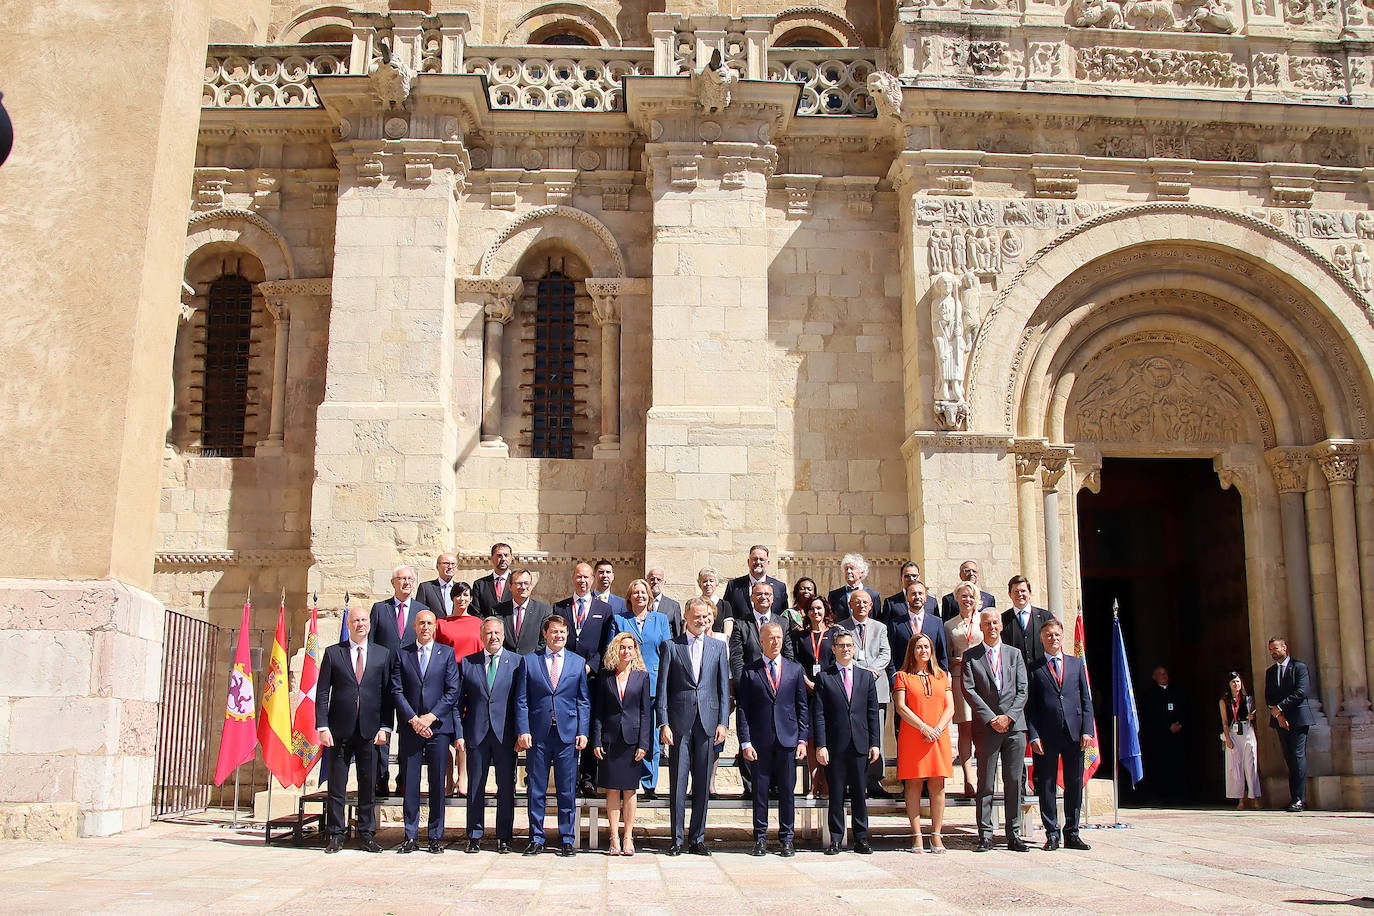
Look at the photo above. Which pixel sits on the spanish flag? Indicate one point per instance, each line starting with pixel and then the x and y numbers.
pixel 274 727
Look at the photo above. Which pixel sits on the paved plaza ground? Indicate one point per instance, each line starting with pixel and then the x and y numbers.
pixel 1169 861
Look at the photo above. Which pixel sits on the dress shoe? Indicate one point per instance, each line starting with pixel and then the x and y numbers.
pixel 436 847
pixel 698 849
pixel 1052 842
pixel 369 844
pixel 502 847
pixel 984 845
pixel 878 792
pixel 674 850
pixel 759 849
pixel 833 849
pixel 586 788
pixel 1296 807
pixel 1016 844
pixel 649 795
pixel 334 845
pixel 474 846
pixel 1073 841
pixel 534 849
pixel 788 850
pixel 862 848
pixel 565 850
pixel 408 846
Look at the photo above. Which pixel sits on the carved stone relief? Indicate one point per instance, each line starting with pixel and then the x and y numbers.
pixel 1165 399
pixel 1174 67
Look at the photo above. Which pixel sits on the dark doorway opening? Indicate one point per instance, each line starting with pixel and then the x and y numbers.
pixel 1164 540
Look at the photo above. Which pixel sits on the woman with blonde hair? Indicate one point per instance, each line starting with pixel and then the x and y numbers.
pixel 961 634
pixel 923 700
pixel 622 732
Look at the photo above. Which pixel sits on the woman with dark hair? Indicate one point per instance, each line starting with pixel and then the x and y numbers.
pixel 803 590
pixel 811 649
pixel 1238 733
pixel 462 632
pixel 923 699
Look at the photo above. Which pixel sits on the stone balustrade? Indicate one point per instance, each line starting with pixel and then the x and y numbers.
pixel 528 78
pixel 834 80
pixel 245 76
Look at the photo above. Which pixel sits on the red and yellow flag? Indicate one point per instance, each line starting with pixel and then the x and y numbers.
pixel 305 740
pixel 237 743
pixel 274 728
pixel 1092 755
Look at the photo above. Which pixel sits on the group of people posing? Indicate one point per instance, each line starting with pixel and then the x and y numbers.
pixel 597 686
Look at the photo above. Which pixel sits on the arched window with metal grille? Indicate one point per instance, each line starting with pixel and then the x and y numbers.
pixel 226 375
pixel 554 409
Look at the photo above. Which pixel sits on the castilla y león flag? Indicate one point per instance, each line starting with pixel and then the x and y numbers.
pixel 305 740
pixel 274 728
pixel 1092 755
pixel 238 742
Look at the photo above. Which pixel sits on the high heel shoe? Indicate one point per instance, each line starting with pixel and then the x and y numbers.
pixel 628 847
pixel 937 844
pixel 614 849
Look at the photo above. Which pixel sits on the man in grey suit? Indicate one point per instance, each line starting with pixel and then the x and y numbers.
pixel 660 602
pixel 995 686
pixel 871 651
pixel 522 616
pixel 693 700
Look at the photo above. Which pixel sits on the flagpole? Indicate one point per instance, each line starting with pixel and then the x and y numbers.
pixel 236 795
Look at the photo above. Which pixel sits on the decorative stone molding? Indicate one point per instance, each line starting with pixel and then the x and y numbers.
pixel 960 441
pixel 1289 466
pixel 800 189
pixel 305 286
pixel 553 213
pixel 1339 460
pixel 1056 176
pixel 1292 185
pixel 184 560
pixel 1216 69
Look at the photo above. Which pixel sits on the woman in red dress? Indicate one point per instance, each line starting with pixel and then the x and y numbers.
pixel 461 632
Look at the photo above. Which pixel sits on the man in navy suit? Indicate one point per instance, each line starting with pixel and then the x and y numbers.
pixel 553 719
pixel 774 726
pixel 437 593
pixel 895 605
pixel 902 628
pixel 1021 623
pixel 590 622
pixel 490 590
pixel 491 687
pixel 848 732
pixel 949 605
pixel 604 571
pixel 1059 723
pixel 739 593
pixel 693 700
pixel 1286 686
pixel 393 626
pixel 352 712
pixel 424 689
pixel 855 570
pixel 746 647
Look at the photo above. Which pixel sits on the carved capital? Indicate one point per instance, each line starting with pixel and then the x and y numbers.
pixel 1339 460
pixel 1053 464
pixel 496 293
pixel 1028 454
pixel 605 295
pixel 1289 466
pixel 278 308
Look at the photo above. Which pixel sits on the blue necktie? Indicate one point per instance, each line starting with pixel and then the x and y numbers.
pixel 424 660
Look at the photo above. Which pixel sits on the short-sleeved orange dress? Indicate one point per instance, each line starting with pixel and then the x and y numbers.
pixel 918 758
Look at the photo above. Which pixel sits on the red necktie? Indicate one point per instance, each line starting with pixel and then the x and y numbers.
pixel 500 587
pixel 401 617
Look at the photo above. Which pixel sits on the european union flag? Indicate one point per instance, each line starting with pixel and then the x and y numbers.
pixel 1123 706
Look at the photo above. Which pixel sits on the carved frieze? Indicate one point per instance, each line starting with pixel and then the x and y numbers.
pixel 1219 69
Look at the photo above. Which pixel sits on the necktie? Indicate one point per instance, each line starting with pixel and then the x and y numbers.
pixel 519 619
pixel 500 587
pixel 773 672
pixel 557 666
pixel 491 672
pixel 1054 666
pixel 400 617
pixel 581 612
pixel 424 660
pixel 848 686
pixel 995 659
pixel 696 657
pixel 358 663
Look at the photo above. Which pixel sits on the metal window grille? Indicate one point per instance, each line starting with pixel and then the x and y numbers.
pixel 552 395
pixel 227 367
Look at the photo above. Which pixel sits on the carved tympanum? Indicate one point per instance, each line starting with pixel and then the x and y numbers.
pixel 1159 399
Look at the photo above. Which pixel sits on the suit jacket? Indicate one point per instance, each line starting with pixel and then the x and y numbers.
pixel 431 595
pixel 590 639
pixel 384 623
pixel 1051 706
pixel 895 605
pixel 627 720
pixel 414 694
pixel 342 703
pixel 1028 640
pixel 682 698
pixel 531 630
pixel 871 651
pixel 745 648
pixel 673 611
pixel 984 699
pixel 766 719
pixel 949 605
pixel 484 600
pixel 839 605
pixel 544 709
pixel 813 655
pixel 617 603
pixel 845 724
pixel 484 710
pixel 1289 693
pixel 652 635
pixel 899 634
pixel 737 596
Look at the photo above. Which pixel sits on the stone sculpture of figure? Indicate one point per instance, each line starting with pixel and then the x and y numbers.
pixel 390 75
pixel 1212 16
pixel 969 315
pixel 1100 14
pixel 946 324
pixel 958 250
pixel 886 92
pixel 1153 15
pixel 713 83
pixel 1360 266
pixel 940 261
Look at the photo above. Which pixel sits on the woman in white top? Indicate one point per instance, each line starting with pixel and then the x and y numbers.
pixel 1238 732
pixel 961 634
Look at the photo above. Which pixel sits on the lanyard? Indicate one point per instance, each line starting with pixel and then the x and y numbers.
pixel 1059 673
pixel 768 670
pixel 816 640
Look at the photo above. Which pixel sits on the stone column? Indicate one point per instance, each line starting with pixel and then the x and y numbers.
pixel 605 295
pixel 1364 509
pixel 1053 465
pixel 1339 461
pixel 280 311
pixel 1322 566
pixel 1028 453
pixel 498 296
pixel 1289 466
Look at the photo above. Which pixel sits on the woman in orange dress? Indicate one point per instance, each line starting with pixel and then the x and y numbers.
pixel 924 701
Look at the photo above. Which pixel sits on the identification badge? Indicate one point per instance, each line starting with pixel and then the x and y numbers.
pixel 1171 707
pixel 815 670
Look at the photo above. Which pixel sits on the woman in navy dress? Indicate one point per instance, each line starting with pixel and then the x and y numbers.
pixel 652 630
pixel 622 732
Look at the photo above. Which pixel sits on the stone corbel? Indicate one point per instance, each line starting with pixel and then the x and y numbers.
pixel 1173 178
pixel 1292 185
pixel 605 295
pixel 497 296
pixel 1055 175
pixel 1086 465
pixel 800 190
pixel 859 191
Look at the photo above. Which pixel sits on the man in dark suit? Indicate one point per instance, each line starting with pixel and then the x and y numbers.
pixel 554 721
pixel 739 593
pixel 693 698
pixel 894 606
pixel 493 588
pixel 746 647
pixel 436 594
pixel 589 619
pixel 774 726
pixel 949 605
pixel 855 570
pixel 1059 719
pixel 1021 623
pixel 1286 686
pixel 660 602
pixel 604 572
pixel 847 731
pixel 523 616
pixel 492 686
pixel 903 628
pixel 424 689
pixel 994 681
pixel 352 709
pixel 393 626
